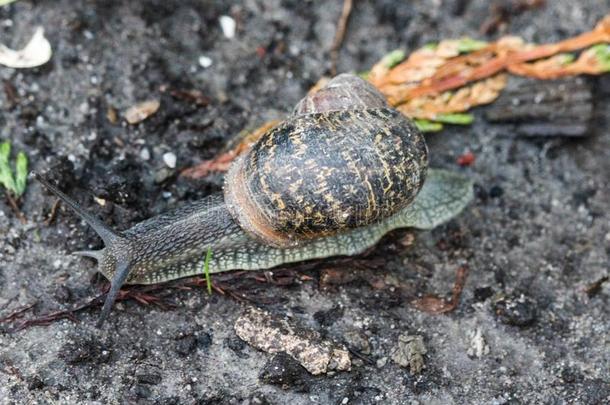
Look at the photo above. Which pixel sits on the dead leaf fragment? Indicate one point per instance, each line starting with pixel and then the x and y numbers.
pixel 37 52
pixel 141 111
pixel 270 334
pixel 433 304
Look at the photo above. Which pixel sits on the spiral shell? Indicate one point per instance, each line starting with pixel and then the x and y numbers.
pixel 344 159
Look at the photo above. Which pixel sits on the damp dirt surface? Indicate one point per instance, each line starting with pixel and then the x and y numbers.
pixel 529 328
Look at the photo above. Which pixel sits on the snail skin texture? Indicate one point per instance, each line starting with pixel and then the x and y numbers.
pixel 342 171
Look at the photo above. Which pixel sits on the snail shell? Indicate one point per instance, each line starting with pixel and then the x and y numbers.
pixel 343 160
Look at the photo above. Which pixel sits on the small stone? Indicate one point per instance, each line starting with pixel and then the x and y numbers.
pixel 409 352
pixel 482 293
pixel 478 346
pixel 496 191
pixel 329 317
pixel 237 346
pixel 516 311
pixel 141 111
pixel 228 26
pixel 205 61
pixel 85 351
pixel 285 372
pixel 357 341
pixel 169 159
pixel 162 174
pixel 145 154
pixel 142 391
pixel 149 378
pixel 204 341
pixel 186 345
pixel 62 294
pixel 35 383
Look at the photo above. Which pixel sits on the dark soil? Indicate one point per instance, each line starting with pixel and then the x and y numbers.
pixel 535 238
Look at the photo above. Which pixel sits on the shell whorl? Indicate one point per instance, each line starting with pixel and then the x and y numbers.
pixel 344 92
pixel 343 160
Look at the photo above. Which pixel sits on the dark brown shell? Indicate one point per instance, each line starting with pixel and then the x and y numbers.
pixel 319 173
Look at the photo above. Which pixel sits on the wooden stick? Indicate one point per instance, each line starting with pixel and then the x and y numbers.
pixel 340 35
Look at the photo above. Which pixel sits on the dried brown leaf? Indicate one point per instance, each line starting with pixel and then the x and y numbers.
pixel 141 111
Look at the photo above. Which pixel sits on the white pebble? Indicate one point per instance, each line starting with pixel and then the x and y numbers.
pixel 170 160
pixel 145 154
pixel 205 62
pixel 228 26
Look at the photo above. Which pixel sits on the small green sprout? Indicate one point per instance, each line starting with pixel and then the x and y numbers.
pixel 428 126
pixel 13 181
pixel 393 58
pixel 466 45
pixel 455 119
pixel 567 58
pixel 602 52
pixel 206 270
pixel 5 2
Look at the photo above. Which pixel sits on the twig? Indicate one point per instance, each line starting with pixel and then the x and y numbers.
pixel 13 203
pixel 436 305
pixel 340 35
pixel 594 288
pixel 53 213
pixel 17 313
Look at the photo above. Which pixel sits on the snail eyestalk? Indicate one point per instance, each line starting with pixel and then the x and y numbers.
pixel 113 241
pixel 122 271
pixel 107 234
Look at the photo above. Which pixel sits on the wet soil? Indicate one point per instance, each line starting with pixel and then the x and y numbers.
pixel 535 238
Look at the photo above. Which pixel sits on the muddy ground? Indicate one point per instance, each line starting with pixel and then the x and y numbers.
pixel 537 234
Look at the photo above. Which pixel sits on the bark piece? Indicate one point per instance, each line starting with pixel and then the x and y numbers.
pixel 270 334
pixel 545 108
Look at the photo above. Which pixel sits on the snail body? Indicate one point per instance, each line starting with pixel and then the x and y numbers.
pixel 331 180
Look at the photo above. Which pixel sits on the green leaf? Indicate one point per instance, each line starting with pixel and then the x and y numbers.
pixel 428 126
pixel 455 119
pixel 466 45
pixel 5 151
pixel 430 45
pixel 567 58
pixel 393 58
pixel 6 174
pixel 206 270
pixel 5 2
pixel 21 173
pixel 602 52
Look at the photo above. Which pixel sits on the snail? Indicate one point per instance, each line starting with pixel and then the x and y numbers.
pixel 343 170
